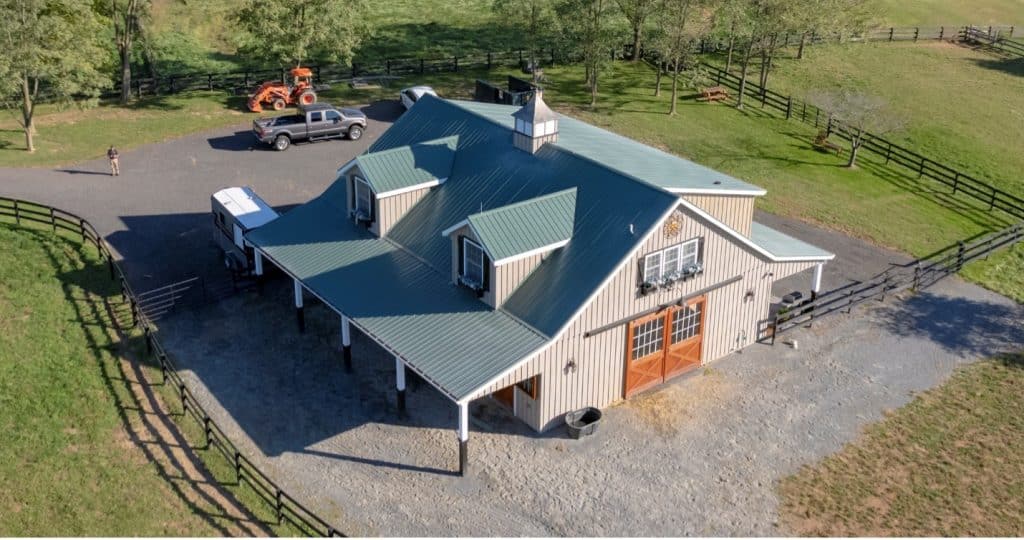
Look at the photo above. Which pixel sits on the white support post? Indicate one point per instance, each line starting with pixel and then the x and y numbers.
pixel 259 263
pixel 346 343
pixel 463 438
pixel 400 383
pixel 299 313
pixel 816 286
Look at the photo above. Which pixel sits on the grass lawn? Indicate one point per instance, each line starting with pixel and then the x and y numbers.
pixel 950 463
pixel 80 455
pixel 951 12
pixel 67 465
pixel 962 107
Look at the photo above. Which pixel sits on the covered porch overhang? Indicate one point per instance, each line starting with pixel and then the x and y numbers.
pixel 441 333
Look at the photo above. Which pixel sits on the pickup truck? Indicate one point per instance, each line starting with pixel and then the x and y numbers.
pixel 314 122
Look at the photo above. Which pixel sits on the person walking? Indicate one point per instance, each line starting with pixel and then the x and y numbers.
pixel 112 155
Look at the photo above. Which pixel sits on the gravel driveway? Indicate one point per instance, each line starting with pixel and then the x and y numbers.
pixel 699 456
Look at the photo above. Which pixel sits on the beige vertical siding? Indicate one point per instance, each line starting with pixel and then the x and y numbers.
pixel 392 209
pixel 505 279
pixel 732 322
pixel 734 210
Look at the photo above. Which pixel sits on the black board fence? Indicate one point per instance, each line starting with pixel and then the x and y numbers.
pixel 914 276
pixel 959 183
pixel 993 39
pixel 39 216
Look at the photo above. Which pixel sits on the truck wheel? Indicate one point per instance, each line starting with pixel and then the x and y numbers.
pixel 281 142
pixel 307 98
pixel 355 132
pixel 278 104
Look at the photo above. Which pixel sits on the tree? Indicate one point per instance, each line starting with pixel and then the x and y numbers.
pixel 589 26
pixel 637 12
pixel 845 17
pixel 533 21
pixel 50 46
pixel 858 115
pixel 681 24
pixel 294 31
pixel 127 16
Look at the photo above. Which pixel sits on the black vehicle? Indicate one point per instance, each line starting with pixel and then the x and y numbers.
pixel 314 122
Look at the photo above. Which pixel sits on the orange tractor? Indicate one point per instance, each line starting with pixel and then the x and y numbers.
pixel 279 95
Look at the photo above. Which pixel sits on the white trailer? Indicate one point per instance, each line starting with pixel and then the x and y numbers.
pixel 236 211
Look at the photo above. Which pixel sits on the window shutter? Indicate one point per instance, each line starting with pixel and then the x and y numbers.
pixel 373 206
pixel 487 273
pixel 462 243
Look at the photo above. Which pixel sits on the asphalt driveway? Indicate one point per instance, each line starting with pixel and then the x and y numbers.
pixel 156 214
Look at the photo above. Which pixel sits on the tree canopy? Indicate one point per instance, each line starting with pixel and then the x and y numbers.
pixel 297 31
pixel 52 49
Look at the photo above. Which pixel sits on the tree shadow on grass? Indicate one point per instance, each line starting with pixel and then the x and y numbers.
pixel 92 294
pixel 1011 66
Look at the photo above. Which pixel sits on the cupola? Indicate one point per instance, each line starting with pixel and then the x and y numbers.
pixel 536 124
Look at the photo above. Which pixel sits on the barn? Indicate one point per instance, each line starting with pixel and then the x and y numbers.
pixel 520 255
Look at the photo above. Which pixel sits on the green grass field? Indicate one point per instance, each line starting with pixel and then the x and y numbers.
pixel 67 464
pixel 961 106
pixel 79 456
pixel 948 464
pixel 950 12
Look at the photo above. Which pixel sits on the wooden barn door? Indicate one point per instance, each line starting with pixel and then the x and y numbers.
pixel 664 344
pixel 685 336
pixel 645 356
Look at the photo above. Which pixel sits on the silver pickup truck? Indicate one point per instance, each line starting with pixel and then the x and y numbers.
pixel 314 122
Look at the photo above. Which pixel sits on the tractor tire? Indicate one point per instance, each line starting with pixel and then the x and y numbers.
pixel 278 104
pixel 307 98
pixel 281 143
pixel 355 132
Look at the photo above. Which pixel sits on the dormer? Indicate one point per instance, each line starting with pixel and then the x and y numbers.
pixel 384 185
pixel 495 250
pixel 535 125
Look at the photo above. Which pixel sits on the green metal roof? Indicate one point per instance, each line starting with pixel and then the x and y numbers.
pixel 410 165
pixel 443 332
pixel 783 246
pixel 526 226
pixel 626 155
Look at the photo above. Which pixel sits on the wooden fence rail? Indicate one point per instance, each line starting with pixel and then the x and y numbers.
pixel 915 275
pixel 32 215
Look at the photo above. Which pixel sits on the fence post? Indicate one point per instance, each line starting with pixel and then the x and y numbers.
pixel 81 229
pixel 992 200
pixel 920 169
pixel 803 113
pixel 387 66
pixel 553 52
pixel 110 264
pixel 942 31
pixel 960 255
pixel 488 60
pixel 817 111
pixel 163 368
pixel 17 216
pixel 246 79
pixel 209 82
pixel 207 429
pixel 317 71
pixel 956 182
pixel 278 506
pixel 456 59
pixel 789 107
pixel 520 57
pixel 917 31
pixel 181 396
pixel 828 130
pixel 888 153
pixel 1011 32
pixel 775 327
pixel 917 277
pixel 421 66
pixel 891 30
pixel 149 340
pixel 354 70
pixel 172 85
pixel 53 221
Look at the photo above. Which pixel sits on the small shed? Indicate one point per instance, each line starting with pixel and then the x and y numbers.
pixel 236 211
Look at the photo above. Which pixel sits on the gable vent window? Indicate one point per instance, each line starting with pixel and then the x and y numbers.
pixel 475 268
pixel 363 201
pixel 672 264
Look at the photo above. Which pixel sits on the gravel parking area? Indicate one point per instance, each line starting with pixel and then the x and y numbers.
pixel 699 456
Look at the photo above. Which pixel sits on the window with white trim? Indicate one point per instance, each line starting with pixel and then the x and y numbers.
pixel 364 198
pixel 670 260
pixel 648 338
pixel 686 322
pixel 472 263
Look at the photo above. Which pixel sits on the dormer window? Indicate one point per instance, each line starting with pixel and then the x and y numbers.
pixel 473 272
pixel 363 200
